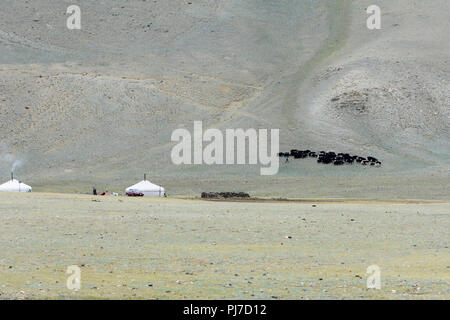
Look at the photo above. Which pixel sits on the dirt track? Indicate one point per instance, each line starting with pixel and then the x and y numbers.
pixel 175 248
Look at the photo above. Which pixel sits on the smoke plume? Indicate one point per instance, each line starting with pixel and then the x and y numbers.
pixel 16 164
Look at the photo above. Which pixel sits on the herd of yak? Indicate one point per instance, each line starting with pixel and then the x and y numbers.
pixel 331 157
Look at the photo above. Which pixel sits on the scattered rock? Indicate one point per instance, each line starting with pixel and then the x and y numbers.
pixel 224 195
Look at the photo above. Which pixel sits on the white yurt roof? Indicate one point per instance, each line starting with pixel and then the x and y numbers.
pixel 145 186
pixel 15 186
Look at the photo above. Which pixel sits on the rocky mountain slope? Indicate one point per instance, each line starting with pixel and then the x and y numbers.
pixel 97 106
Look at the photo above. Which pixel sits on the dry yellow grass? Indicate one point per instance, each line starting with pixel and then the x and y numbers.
pixel 143 248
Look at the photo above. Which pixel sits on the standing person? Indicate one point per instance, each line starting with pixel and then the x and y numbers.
pixel 287 159
pixel 94 191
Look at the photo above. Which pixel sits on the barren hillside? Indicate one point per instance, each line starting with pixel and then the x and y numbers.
pixel 97 106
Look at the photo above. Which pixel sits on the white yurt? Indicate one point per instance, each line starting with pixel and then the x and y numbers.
pixel 147 188
pixel 14 185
